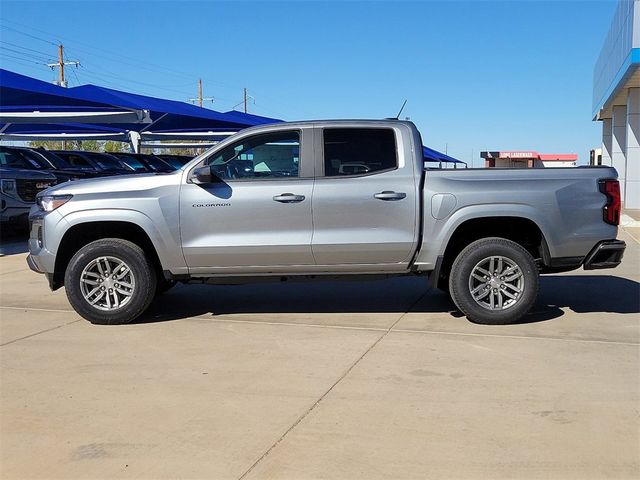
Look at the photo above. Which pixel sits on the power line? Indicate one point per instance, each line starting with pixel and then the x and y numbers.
pixel 25 54
pixel 119 59
pixel 4 55
pixel 137 63
pixel 28 35
pixel 99 75
pixel 23 48
pixel 18 61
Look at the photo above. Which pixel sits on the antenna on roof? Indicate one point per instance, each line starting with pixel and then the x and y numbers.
pixel 401 108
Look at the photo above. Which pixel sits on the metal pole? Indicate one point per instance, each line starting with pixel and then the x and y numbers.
pixel 245 100
pixel 200 92
pixel 61 64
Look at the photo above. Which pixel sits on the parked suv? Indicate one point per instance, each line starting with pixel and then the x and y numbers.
pixel 18 190
pixel 43 160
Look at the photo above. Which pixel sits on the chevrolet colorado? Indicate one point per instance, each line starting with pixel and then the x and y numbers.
pixel 324 199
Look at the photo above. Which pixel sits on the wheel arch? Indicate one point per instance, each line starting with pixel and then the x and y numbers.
pixel 83 233
pixel 520 229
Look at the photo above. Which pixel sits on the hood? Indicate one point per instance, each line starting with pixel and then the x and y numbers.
pixel 119 183
pixel 24 174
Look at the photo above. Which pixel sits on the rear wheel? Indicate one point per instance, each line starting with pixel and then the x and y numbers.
pixel 110 281
pixel 494 281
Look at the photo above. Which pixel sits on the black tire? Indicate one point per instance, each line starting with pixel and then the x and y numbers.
pixel 140 267
pixel 461 282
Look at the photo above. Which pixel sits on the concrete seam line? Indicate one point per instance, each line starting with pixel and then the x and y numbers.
pixel 38 333
pixel 12 271
pixel 37 309
pixel 292 324
pixel 516 337
pixel 631 235
pixel 322 397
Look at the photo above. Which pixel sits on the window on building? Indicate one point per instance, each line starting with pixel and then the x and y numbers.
pixel 358 151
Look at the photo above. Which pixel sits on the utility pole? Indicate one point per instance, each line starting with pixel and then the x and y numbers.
pixel 245 100
pixel 61 81
pixel 60 65
pixel 200 97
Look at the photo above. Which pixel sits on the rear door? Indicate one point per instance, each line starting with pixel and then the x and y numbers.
pixel 258 216
pixel 365 201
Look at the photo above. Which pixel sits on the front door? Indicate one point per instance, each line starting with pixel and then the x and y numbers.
pixel 258 215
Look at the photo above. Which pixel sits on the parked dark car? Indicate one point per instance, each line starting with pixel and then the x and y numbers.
pixel 141 162
pixel 43 160
pixel 104 163
pixel 18 189
pixel 177 161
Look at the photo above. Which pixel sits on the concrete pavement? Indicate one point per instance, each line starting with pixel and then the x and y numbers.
pixel 380 379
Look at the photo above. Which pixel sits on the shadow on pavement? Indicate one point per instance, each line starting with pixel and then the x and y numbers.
pixel 13 241
pixel 591 293
pixel 580 293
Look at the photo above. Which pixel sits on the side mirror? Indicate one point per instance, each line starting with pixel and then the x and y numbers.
pixel 203 175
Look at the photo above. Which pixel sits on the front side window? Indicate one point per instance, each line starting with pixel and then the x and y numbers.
pixel 269 155
pixel 358 151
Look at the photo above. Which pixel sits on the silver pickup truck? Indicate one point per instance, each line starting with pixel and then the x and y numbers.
pixel 324 199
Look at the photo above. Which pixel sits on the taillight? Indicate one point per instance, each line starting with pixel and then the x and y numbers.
pixel 611 211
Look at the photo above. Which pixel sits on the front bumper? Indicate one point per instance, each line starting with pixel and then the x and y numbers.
pixel 40 259
pixel 606 254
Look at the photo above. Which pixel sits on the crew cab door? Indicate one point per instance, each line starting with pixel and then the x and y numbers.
pixel 255 215
pixel 365 200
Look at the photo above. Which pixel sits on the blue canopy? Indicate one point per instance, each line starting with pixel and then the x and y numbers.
pixel 431 155
pixel 19 93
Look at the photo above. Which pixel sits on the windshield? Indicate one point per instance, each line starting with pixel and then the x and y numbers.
pixel 54 160
pixel 173 161
pixel 13 159
pixel 107 162
pixel 158 164
pixel 132 162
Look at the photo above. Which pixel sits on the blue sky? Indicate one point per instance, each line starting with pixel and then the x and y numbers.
pixel 478 75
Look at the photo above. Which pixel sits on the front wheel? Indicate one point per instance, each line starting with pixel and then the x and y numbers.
pixel 494 281
pixel 110 281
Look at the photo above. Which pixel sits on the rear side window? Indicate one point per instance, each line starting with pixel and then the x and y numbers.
pixel 358 151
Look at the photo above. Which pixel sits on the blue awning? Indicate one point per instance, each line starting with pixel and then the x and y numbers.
pixel 431 155
pixel 19 93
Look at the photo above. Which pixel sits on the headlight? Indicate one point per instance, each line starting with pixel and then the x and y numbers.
pixel 49 203
pixel 8 187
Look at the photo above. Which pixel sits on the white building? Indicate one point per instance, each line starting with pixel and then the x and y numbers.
pixel 616 99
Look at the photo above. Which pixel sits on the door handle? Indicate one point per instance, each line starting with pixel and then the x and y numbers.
pixel 390 196
pixel 289 198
